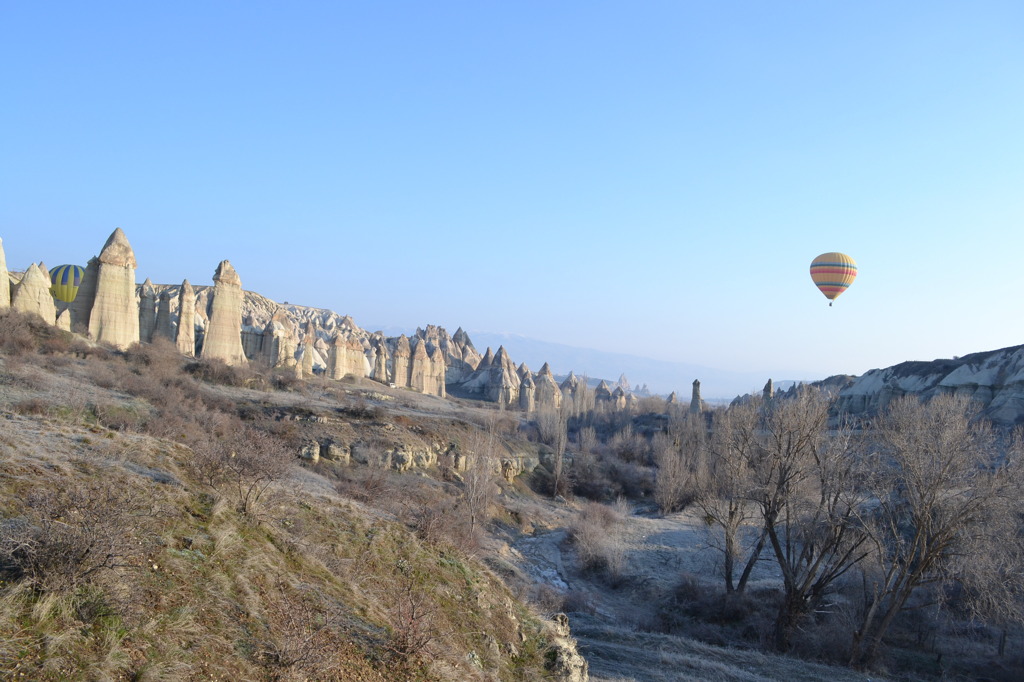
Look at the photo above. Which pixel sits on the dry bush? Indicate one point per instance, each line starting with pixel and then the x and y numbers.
pixel 241 464
pixel 18 333
pixel 595 535
pixel 630 446
pixel 69 532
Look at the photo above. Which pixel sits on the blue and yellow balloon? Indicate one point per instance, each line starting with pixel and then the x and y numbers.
pixel 65 280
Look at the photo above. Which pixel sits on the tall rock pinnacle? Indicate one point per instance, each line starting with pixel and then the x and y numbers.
pixel 223 340
pixel 114 317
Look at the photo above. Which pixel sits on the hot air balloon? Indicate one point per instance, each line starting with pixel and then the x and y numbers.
pixel 65 280
pixel 833 273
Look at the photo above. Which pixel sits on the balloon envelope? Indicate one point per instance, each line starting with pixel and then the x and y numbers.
pixel 833 273
pixel 65 280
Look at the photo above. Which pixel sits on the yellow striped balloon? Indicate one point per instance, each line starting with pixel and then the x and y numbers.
pixel 65 280
pixel 833 273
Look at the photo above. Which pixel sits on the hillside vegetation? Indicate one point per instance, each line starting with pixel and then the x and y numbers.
pixel 157 526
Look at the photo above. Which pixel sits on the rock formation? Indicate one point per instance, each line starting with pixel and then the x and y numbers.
pixel 570 387
pixel 308 351
pixel 768 392
pixel 5 280
pixel 696 404
pixel 81 307
pixel 164 323
pixel 495 379
pixel 619 398
pixel 603 394
pixel 186 336
pixel 549 395
pixel 280 340
pixel 147 312
pixel 223 337
pixel 32 295
pixel 379 372
pixel 994 379
pixel 400 362
pixel 527 393
pixel 114 314
pixel 426 369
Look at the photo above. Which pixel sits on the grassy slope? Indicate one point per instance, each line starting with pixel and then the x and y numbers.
pixel 319 587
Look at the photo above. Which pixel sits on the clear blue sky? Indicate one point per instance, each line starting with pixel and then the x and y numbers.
pixel 651 178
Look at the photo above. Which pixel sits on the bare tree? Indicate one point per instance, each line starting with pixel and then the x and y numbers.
pixel 803 482
pixel 725 493
pixel 553 425
pixel 480 479
pixel 680 457
pixel 942 508
pixel 243 464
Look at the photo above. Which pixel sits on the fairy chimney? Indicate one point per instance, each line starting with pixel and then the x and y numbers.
pixel 400 358
pixel 527 394
pixel 549 395
pixel 147 311
pixel 696 404
pixel 223 339
pixel 32 295
pixel 186 338
pixel 164 325
pixel 114 315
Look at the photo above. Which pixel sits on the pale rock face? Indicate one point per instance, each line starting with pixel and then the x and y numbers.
pixel 426 369
pixel 696 404
pixel 769 390
pixel 603 394
pixel 619 398
pixel 186 337
pixel 279 340
pixel 308 351
pixel 400 359
pixel 63 316
pixel 147 312
pixel 673 398
pixel 570 388
pixel 568 664
pixel 223 338
pixel 495 379
pixel 5 280
pixel 114 317
pixel 81 307
pixel 335 358
pixel 439 372
pixel 32 295
pixel 355 354
pixel 164 324
pixel 380 360
pixel 549 394
pixel 527 394
pixel 523 371
pixel 994 379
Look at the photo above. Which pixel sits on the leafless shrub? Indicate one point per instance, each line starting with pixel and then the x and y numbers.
pixel 68 533
pixel 18 333
pixel 242 464
pixel 595 534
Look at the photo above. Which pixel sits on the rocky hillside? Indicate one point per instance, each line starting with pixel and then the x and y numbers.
pixel 163 518
pixel 995 379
